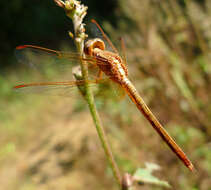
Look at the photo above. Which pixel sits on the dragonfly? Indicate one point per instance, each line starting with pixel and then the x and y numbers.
pixel 115 68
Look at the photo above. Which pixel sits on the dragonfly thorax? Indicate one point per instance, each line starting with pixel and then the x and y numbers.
pixel 110 63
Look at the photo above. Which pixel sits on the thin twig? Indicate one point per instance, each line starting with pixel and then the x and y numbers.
pixel 77 12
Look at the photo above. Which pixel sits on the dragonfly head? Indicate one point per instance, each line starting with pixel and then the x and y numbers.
pixel 91 44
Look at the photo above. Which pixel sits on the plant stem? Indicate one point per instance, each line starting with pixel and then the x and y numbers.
pixel 77 12
pixel 95 116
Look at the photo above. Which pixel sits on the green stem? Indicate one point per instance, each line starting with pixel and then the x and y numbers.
pixel 97 121
pixel 77 12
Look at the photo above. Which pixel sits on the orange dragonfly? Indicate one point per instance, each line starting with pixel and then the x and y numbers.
pixel 113 66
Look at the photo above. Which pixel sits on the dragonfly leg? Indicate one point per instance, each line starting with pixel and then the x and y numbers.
pixel 99 76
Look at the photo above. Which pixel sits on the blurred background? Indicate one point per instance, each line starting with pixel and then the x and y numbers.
pixel 50 142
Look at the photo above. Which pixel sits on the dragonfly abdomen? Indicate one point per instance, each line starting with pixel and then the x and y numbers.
pixel 141 105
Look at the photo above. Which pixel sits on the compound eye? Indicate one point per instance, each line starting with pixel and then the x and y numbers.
pixel 90 45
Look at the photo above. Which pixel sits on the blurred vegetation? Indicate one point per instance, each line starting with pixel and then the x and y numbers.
pixel 44 144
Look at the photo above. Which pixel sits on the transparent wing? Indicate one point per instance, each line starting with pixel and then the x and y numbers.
pixel 53 88
pixel 42 68
pixel 97 32
pixel 112 90
pixel 36 57
pixel 49 65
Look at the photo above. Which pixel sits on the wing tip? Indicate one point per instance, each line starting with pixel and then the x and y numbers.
pixel 21 47
pixel 18 86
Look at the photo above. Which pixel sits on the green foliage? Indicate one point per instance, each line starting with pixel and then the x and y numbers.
pixel 204 153
pixel 7 150
pixel 144 175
